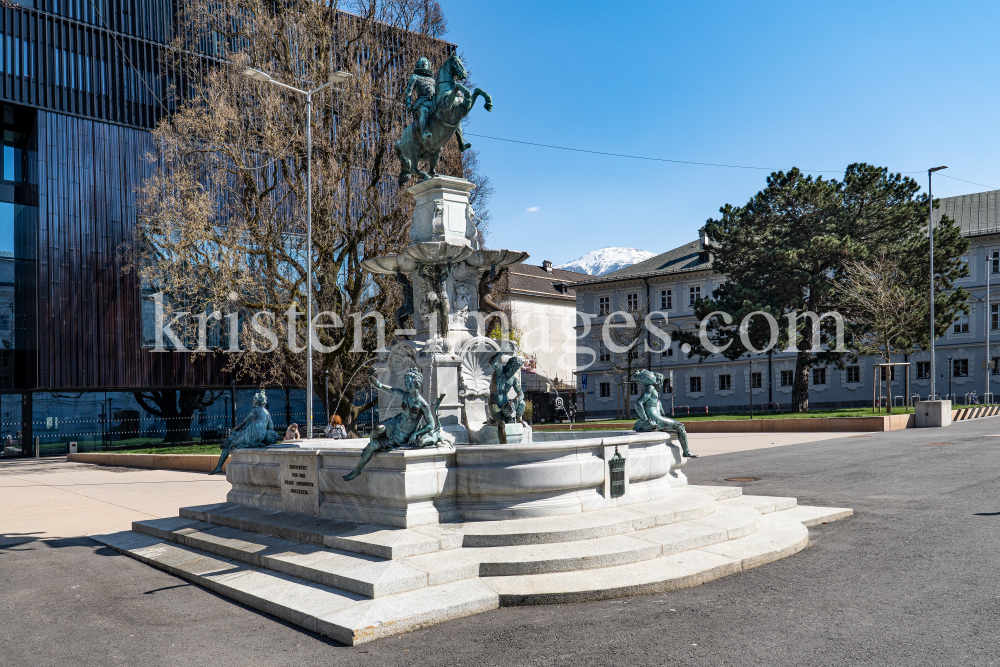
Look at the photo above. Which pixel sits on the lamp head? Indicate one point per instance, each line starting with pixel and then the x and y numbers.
pixel 257 75
pixel 931 171
pixel 340 76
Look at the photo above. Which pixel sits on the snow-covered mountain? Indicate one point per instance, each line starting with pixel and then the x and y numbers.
pixel 606 260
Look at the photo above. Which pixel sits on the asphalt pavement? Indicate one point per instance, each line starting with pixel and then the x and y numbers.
pixel 911 579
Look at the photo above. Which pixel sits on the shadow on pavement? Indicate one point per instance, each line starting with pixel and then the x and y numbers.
pixel 10 540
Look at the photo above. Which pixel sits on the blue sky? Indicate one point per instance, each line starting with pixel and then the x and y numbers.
pixel 907 85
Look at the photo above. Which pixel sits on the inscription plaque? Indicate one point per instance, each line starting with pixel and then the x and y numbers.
pixel 299 482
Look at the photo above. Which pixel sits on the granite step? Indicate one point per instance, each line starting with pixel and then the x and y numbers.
pixel 777 538
pixel 377 541
pixel 341 615
pixel 763 504
pixel 808 515
pixel 726 523
pixel 365 575
pixel 717 492
pixel 681 505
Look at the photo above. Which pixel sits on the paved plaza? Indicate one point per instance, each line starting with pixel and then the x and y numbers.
pixel 909 580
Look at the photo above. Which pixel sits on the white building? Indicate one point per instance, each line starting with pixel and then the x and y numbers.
pixel 543 309
pixel 671 283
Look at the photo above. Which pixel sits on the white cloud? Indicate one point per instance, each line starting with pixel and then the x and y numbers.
pixel 533 209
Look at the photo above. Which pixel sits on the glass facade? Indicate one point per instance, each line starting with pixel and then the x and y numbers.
pixel 145 418
pixel 81 84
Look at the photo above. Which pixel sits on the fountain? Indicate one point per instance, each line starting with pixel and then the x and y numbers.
pixel 472 510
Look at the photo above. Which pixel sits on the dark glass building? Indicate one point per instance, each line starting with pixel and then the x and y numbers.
pixel 81 85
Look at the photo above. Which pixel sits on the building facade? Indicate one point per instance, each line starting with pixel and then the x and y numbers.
pixel 542 309
pixel 82 83
pixel 672 282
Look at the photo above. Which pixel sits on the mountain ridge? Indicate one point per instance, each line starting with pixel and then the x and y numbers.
pixel 606 260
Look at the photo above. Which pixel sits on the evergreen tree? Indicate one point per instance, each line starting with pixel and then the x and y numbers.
pixel 783 252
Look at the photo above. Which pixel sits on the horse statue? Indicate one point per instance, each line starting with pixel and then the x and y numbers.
pixel 452 102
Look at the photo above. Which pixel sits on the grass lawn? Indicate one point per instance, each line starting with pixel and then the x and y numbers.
pixel 701 416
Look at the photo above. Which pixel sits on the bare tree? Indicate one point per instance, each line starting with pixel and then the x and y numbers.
pixel 878 298
pixel 222 218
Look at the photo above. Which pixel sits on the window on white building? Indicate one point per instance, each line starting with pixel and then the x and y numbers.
pixel 605 390
pixel 756 381
pixel 666 299
pixel 962 323
pixel 603 354
pixel 725 382
pixel 787 378
pixel 960 368
pixel 996 261
pixel 696 383
pixel 604 304
pixel 995 316
pixel 694 293
pixel 923 370
pixel 892 373
pixel 854 373
pixel 633 302
pixel 819 376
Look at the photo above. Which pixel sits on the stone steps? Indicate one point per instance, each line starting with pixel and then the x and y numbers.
pixel 341 615
pixel 776 539
pixel 365 575
pixel 725 523
pixel 682 504
pixel 356 582
pixel 375 577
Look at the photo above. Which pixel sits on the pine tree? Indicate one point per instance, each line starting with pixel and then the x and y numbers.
pixel 784 250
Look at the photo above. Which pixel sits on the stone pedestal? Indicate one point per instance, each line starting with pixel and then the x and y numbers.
pixel 416 487
pixel 933 413
pixel 443 213
pixel 446 341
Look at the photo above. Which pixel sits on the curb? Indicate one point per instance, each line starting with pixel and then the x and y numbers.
pixel 190 462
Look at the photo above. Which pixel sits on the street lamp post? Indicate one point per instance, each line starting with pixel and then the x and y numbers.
pixel 930 235
pixel 335 77
pixel 989 322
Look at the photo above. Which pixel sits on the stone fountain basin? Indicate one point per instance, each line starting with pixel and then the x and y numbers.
pixel 560 473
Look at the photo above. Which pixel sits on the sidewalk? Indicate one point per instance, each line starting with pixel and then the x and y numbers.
pixel 707 444
pixel 52 498
pixel 46 498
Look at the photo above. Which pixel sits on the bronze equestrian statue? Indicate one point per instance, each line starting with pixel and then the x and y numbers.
pixel 435 120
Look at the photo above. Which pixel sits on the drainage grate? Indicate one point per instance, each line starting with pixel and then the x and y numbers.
pixel 939 443
pixel 743 479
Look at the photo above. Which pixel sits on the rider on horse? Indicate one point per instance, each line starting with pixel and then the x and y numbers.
pixel 421 82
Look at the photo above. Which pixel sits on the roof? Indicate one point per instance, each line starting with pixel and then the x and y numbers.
pixel 978 213
pixel 533 280
pixel 688 257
